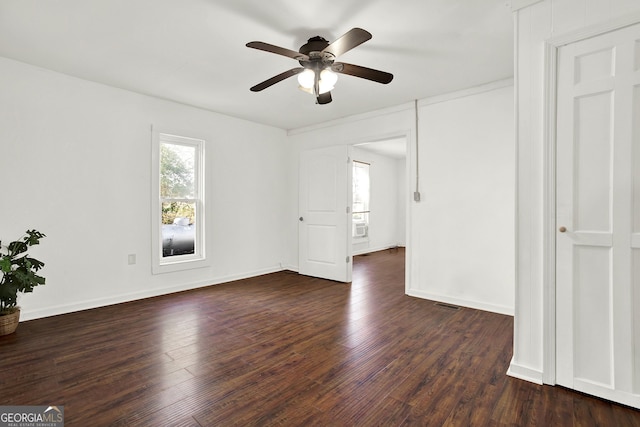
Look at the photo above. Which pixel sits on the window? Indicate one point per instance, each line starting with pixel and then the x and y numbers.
pixel 178 208
pixel 360 209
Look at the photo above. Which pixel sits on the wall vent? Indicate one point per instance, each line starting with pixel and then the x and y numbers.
pixel 449 306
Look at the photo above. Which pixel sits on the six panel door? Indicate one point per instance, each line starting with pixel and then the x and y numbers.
pixel 598 216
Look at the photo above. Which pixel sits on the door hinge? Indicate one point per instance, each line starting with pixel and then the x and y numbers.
pixel 348 209
pixel 347 259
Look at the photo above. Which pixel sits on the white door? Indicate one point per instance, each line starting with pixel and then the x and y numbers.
pixel 598 216
pixel 324 238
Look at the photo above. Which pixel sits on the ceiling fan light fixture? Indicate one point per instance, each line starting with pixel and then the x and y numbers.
pixel 327 81
pixel 306 79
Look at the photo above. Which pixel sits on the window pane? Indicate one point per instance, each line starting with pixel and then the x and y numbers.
pixel 360 208
pixel 178 228
pixel 177 171
pixel 360 187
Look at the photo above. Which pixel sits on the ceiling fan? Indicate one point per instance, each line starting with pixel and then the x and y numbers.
pixel 318 63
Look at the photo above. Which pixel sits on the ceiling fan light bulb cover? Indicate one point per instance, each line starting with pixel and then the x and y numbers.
pixel 328 77
pixel 306 79
pixel 324 88
pixel 327 81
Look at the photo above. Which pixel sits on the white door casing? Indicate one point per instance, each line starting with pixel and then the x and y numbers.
pixel 325 215
pixel 598 216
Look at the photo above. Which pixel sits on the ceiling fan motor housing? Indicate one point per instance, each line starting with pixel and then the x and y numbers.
pixel 314 50
pixel 314 44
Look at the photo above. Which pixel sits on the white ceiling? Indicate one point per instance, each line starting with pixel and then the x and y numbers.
pixel 193 51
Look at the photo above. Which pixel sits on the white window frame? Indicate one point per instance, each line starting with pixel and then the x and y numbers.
pixel 198 259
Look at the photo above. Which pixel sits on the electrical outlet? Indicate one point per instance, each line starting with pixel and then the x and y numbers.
pixel 131 259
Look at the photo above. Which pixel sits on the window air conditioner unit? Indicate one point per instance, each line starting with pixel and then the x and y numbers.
pixel 360 229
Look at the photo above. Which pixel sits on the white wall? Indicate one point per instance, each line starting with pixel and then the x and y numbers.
pixel 464 225
pixel 461 245
pixel 385 182
pixel 75 164
pixel 77 155
pixel 535 23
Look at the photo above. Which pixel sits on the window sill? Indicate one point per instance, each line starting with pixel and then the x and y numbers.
pixel 180 265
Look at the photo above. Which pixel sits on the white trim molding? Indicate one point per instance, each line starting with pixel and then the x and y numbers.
pixel 463 302
pixel 516 5
pixel 487 87
pixel 524 373
pixel 549 219
pixel 594 30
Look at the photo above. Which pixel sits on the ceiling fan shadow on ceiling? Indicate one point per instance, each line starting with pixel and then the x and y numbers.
pixel 317 74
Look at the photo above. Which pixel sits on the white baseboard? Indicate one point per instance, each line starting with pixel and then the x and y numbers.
pixel 290 267
pixel 524 373
pixel 375 249
pixel 118 299
pixel 478 305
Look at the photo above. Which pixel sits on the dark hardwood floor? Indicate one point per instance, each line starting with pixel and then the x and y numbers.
pixel 285 349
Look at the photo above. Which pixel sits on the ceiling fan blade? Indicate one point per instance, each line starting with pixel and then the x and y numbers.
pixel 275 79
pixel 324 98
pixel 353 38
pixel 362 72
pixel 278 50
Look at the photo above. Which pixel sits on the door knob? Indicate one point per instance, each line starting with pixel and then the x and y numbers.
pixel 562 229
pixel 301 219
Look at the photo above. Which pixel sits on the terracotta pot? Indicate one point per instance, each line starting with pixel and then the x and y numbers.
pixel 9 323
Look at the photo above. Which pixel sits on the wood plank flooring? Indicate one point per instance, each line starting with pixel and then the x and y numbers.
pixel 290 350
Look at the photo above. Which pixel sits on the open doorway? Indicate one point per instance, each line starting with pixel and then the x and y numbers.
pixel 379 183
pixel 325 239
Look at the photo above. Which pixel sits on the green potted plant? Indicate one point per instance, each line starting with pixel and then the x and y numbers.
pixel 18 274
